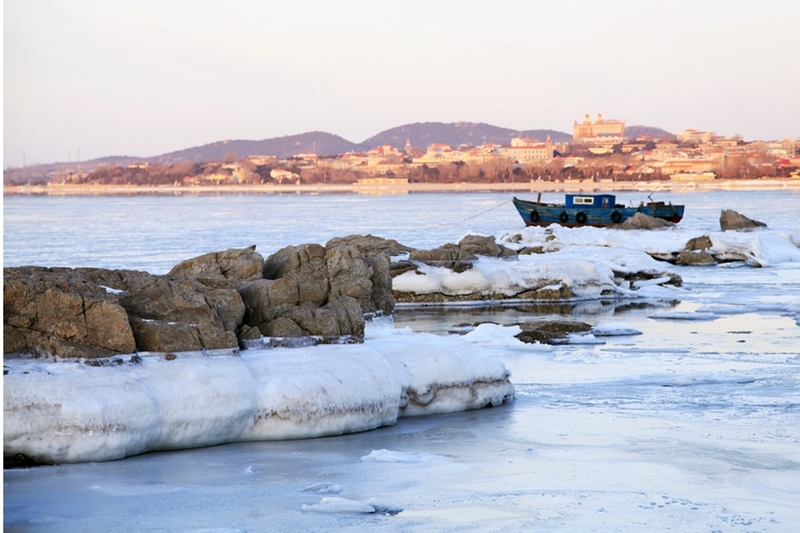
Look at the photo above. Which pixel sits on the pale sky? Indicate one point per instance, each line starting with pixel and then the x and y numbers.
pixel 145 77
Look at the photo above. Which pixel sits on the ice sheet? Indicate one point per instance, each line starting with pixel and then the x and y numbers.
pixel 71 412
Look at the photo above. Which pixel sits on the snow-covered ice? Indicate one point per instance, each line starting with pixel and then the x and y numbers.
pixel 691 425
pixel 71 412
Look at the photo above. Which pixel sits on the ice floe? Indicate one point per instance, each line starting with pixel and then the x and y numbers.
pixel 390 456
pixel 614 329
pixel 71 412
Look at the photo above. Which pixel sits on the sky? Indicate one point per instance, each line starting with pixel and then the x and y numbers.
pixel 149 77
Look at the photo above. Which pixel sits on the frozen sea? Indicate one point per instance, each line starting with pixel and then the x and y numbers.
pixel 690 424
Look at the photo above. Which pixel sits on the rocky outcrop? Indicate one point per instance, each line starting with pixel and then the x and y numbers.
pixel 322 291
pixel 359 267
pixel 699 251
pixel 62 312
pixel 222 268
pixel 642 221
pixel 210 302
pixel 731 220
pixel 459 257
pixel 91 313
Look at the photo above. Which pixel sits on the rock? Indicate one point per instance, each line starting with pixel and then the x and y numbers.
pixel 304 266
pixel 642 221
pixel 341 316
pixel 694 258
pixel 401 267
pixel 370 245
pixel 731 220
pixel 62 312
pixel 177 303
pixel 216 268
pixel 550 331
pixel 529 250
pixel 698 243
pixel 446 256
pixel 283 327
pixel 266 300
pixel 311 290
pixel 248 333
pixel 350 275
pixel 88 313
pixel 486 246
pixel 371 252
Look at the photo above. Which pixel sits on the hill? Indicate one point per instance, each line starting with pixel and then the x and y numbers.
pixel 632 132
pixel 422 134
pixel 318 142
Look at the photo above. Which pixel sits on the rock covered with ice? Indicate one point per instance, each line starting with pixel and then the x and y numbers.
pixel 73 412
pixel 568 271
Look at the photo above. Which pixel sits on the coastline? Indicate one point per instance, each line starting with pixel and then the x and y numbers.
pixel 405 188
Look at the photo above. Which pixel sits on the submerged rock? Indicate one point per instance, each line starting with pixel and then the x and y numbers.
pixel 549 332
pixel 731 220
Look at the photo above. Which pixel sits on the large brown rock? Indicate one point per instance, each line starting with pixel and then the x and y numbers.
pixel 699 243
pixel 62 312
pixel 486 246
pixel 304 266
pixel 354 256
pixel 731 220
pixel 694 258
pixel 91 312
pixel 370 245
pixel 222 268
pixel 642 221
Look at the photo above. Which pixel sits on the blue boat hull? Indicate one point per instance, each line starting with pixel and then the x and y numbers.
pixel 541 214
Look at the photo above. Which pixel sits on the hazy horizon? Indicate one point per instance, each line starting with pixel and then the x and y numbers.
pixel 145 79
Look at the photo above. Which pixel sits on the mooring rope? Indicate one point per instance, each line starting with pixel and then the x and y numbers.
pixel 484 212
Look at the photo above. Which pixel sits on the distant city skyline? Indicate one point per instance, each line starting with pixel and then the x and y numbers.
pixel 147 78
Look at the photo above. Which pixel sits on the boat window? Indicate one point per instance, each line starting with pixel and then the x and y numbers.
pixel 583 200
pixel 605 203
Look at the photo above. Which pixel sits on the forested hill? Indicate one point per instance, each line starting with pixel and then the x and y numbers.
pixel 422 134
pixel 632 132
pixel 318 142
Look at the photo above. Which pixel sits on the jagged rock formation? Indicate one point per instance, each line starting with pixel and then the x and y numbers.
pixel 699 251
pixel 213 301
pixel 456 257
pixel 731 220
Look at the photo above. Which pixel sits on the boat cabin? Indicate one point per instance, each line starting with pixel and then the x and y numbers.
pixel 599 201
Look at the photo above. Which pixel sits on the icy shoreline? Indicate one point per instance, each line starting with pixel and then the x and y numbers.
pixel 69 412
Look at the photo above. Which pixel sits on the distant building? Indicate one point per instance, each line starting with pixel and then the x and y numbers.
pixel 526 150
pixel 691 136
pixel 601 131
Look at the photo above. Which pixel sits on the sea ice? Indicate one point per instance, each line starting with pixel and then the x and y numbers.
pixel 390 456
pixel 614 329
pixel 71 412
pixel 679 315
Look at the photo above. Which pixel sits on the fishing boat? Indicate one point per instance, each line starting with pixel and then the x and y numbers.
pixel 591 210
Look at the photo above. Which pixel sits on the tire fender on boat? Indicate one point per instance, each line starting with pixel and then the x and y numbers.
pixel 580 218
pixel 534 216
pixel 616 217
pixel 563 217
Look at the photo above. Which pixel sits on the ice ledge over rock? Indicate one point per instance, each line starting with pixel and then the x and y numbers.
pixel 70 412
